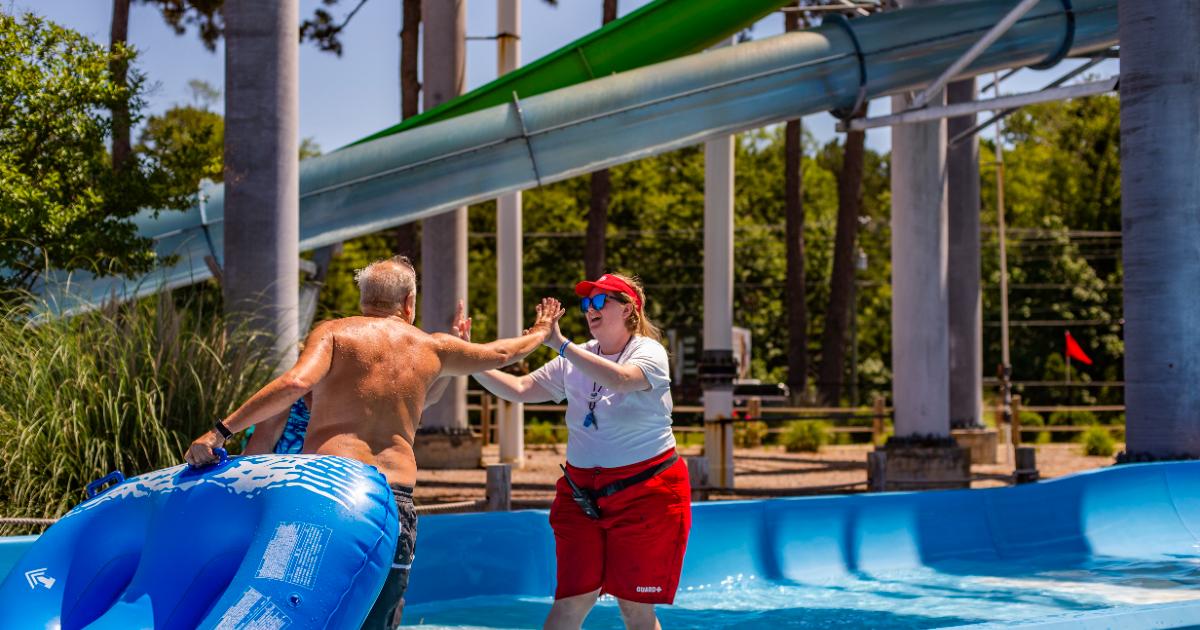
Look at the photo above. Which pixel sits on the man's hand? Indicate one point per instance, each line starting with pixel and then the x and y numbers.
pixel 461 327
pixel 201 452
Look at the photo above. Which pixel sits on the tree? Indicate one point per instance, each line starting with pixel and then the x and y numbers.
pixel 833 343
pixel 797 311
pixel 119 33
pixel 405 236
pixel 62 204
pixel 1063 201
pixel 186 143
pixel 601 188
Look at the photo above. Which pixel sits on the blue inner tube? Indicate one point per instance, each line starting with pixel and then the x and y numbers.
pixel 265 541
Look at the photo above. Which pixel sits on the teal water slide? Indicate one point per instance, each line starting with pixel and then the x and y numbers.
pixel 409 173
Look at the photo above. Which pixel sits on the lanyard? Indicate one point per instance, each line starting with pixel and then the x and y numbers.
pixel 590 419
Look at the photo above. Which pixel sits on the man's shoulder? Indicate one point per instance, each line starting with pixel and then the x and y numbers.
pixel 359 325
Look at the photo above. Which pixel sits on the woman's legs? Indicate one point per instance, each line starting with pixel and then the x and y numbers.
pixel 568 613
pixel 638 616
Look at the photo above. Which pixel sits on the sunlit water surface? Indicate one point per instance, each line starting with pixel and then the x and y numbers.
pixel 923 598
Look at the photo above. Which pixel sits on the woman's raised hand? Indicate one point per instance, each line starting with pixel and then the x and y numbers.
pixel 549 312
pixel 461 327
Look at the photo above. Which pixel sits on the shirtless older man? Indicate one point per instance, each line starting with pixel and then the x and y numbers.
pixel 370 377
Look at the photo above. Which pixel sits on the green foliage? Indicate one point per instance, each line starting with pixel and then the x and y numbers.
pixel 750 434
pixel 541 433
pixel 1062 172
pixel 1070 419
pixel 655 231
pixel 1098 442
pixel 62 205
pixel 805 436
pixel 1030 419
pixel 187 143
pixel 125 388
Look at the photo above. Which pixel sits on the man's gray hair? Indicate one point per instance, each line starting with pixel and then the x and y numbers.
pixel 386 283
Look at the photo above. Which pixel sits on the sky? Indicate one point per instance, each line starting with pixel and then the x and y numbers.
pixel 346 98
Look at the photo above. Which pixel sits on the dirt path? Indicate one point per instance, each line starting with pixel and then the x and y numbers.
pixel 769 469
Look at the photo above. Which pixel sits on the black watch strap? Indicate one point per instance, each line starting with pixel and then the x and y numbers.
pixel 222 430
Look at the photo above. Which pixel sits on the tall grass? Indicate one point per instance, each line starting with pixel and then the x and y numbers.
pixel 124 388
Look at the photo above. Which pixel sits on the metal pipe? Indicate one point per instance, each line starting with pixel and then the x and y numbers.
pixel 1089 88
pixel 959 137
pixel 509 276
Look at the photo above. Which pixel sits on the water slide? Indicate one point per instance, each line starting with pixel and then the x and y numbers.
pixel 528 141
pixel 1111 548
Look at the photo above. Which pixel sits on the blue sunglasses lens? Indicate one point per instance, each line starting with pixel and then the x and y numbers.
pixel 596 301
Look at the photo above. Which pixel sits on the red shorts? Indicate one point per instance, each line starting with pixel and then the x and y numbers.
pixel 635 550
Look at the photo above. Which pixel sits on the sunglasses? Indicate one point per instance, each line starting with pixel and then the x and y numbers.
pixel 596 301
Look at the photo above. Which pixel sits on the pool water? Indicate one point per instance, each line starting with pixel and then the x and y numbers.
pixel 924 598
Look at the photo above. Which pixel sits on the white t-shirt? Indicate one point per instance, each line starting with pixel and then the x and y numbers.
pixel 630 427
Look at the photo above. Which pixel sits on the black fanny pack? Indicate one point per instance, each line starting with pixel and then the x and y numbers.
pixel 586 498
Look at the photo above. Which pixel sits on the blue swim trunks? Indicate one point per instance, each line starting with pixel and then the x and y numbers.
pixel 291 441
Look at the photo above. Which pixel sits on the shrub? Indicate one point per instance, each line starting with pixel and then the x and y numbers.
pixel 1097 442
pixel 540 433
pixel 1033 419
pixel 124 388
pixel 805 436
pixel 750 434
pixel 1069 419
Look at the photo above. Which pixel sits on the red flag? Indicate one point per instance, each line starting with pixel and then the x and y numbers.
pixel 1074 351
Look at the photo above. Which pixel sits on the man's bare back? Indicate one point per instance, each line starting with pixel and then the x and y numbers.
pixel 369 404
pixel 370 376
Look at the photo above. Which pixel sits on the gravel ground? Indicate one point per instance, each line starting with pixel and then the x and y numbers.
pixel 768 469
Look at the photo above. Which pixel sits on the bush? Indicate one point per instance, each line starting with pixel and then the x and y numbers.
pixel 124 388
pixel 1097 442
pixel 540 433
pixel 1070 419
pixel 1033 419
pixel 805 436
pixel 750 434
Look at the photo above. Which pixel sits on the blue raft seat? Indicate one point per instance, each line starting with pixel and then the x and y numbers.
pixel 265 541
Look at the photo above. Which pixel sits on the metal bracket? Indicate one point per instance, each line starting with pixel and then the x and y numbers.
pixel 525 135
pixel 845 114
pixel 1068 40
pixel 973 53
pixel 1057 82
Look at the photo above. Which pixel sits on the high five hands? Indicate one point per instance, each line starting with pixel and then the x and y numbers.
pixel 548 314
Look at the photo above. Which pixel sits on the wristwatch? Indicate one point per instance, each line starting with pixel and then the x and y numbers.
pixel 222 430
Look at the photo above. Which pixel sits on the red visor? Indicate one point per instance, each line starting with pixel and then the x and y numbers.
pixel 608 282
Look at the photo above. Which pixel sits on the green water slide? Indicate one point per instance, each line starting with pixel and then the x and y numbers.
pixel 659 31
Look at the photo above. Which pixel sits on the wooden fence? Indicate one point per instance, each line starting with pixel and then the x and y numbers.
pixel 752 409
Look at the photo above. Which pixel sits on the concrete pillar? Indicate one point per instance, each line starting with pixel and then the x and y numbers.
pixel 262 115
pixel 1160 210
pixel 718 368
pixel 966 298
pixel 444 237
pixel 920 337
pixel 509 277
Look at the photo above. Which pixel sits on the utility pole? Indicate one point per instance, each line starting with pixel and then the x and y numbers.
pixel 509 276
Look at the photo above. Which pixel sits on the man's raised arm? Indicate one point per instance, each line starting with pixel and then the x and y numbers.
pixel 277 396
pixel 461 357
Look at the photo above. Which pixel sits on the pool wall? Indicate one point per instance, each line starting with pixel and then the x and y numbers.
pixel 1141 511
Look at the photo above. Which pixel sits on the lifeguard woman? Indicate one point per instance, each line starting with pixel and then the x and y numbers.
pixel 622 512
